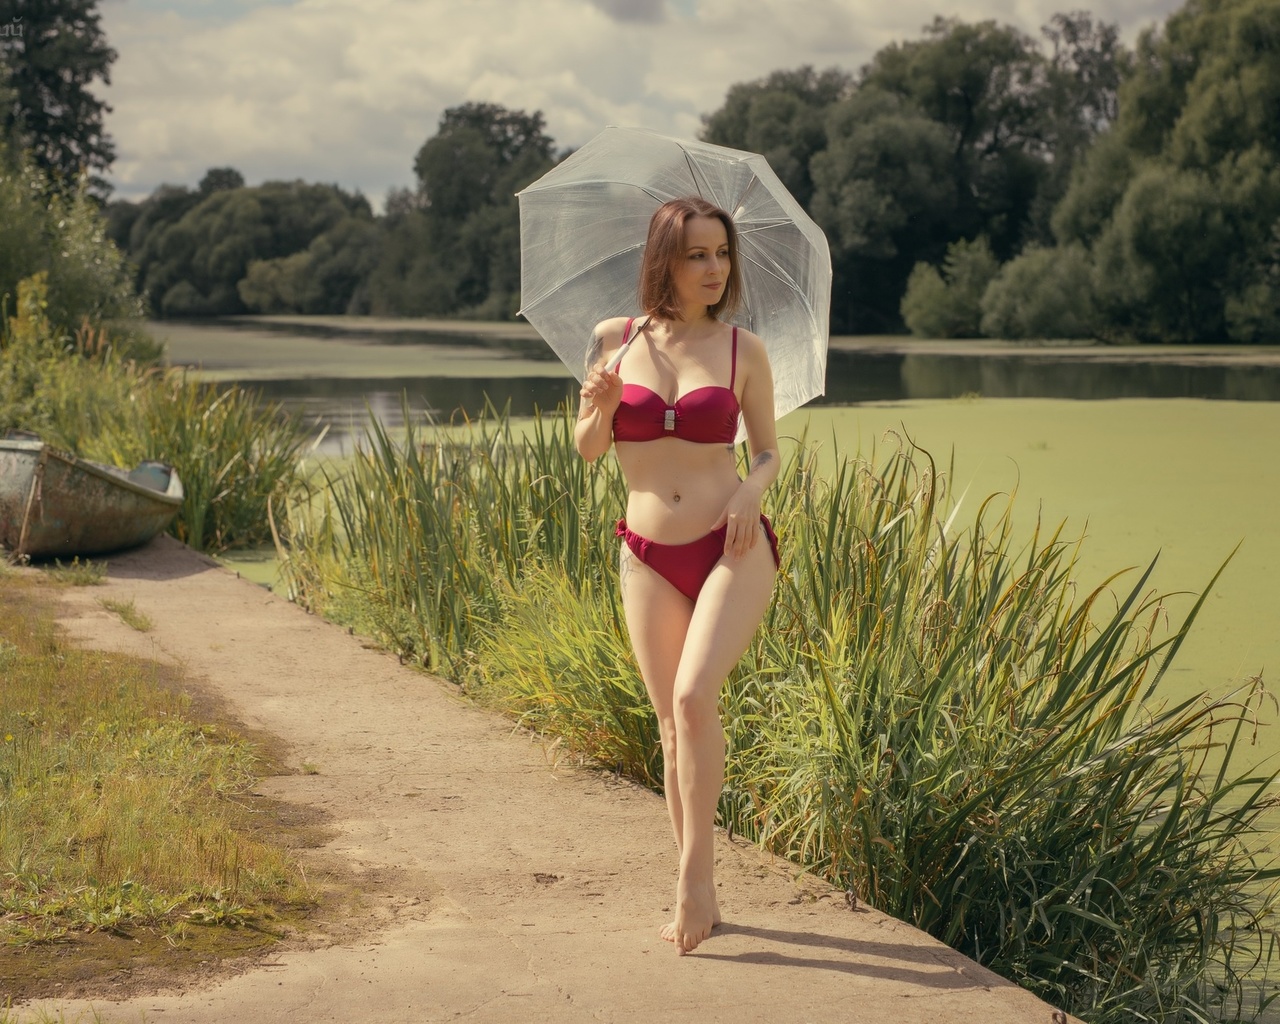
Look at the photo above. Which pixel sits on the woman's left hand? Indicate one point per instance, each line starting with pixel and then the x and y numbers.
pixel 742 517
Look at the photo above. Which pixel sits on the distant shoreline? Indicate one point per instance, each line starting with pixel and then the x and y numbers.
pixel 492 332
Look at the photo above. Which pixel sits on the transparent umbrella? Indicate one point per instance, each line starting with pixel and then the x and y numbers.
pixel 582 233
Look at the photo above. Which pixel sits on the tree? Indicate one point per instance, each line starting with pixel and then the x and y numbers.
pixel 1088 65
pixel 884 195
pixel 220 179
pixel 9 137
pixel 783 118
pixel 984 84
pixel 1253 310
pixel 1042 293
pixel 1085 69
pixel 55 58
pixel 193 251
pixel 982 144
pixel 63 237
pixel 949 304
pixel 326 277
pixel 411 277
pixel 480 156
pixel 1181 245
pixel 1179 202
pixel 455 250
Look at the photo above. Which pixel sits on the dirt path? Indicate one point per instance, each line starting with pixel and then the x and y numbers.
pixel 499 887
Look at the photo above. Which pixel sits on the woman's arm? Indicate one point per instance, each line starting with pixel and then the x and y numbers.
pixel 743 511
pixel 601 392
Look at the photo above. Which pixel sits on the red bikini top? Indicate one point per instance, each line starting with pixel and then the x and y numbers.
pixel 706 415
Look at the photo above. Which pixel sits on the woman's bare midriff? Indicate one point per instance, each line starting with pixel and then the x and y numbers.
pixel 677 488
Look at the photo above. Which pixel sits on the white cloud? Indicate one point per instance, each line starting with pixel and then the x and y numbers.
pixel 346 91
pixel 633 10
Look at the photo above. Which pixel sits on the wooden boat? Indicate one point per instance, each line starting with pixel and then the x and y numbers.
pixel 55 505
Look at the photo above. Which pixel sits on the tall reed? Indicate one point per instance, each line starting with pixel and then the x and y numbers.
pixel 943 721
pixel 421 541
pixel 961 735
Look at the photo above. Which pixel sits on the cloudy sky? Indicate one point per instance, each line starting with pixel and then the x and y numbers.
pixel 346 91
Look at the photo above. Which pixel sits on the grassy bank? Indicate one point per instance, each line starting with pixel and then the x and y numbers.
pixel 127 828
pixel 954 726
pixel 234 453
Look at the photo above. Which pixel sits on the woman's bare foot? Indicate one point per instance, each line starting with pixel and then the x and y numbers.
pixel 668 930
pixel 697 912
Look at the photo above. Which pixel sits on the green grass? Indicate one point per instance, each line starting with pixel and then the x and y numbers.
pixel 941 713
pixel 129 614
pixel 120 814
pixel 77 573
pixel 49 1017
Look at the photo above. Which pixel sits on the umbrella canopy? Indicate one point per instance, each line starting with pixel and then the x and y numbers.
pixel 582 233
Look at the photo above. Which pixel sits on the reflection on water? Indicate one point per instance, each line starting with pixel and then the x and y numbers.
pixel 343 405
pixel 1044 377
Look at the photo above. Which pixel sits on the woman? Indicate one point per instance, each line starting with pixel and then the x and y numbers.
pixel 698 560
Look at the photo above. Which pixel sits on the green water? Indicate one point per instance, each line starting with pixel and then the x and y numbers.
pixel 1183 479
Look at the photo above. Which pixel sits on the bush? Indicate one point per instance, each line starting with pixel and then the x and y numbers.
pixel 233 453
pixel 1043 293
pixel 948 305
pixel 1253 312
pixel 44 386
pixel 65 238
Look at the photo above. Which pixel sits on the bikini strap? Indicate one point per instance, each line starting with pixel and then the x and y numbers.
pixel 733 360
pixel 627 330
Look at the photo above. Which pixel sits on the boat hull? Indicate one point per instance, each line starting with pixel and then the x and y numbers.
pixel 55 505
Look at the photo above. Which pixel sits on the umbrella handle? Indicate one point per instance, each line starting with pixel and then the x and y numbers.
pixel 612 365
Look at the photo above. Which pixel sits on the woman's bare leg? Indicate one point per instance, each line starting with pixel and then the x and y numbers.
pixel 658 619
pixel 729 609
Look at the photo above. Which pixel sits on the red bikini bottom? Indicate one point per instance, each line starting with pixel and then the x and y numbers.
pixel 687 566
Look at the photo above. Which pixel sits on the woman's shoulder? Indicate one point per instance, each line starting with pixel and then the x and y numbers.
pixel 751 345
pixel 610 330
pixel 605 339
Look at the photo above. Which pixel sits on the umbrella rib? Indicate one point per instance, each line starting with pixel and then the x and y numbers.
pixel 557 186
pixel 581 273
pixel 786 280
pixel 693 173
pixel 764 225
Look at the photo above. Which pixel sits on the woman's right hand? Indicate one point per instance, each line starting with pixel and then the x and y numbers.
pixel 603 390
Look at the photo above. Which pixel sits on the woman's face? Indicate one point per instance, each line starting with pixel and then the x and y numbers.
pixel 702 268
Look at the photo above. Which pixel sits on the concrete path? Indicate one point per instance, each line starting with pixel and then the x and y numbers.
pixel 500 887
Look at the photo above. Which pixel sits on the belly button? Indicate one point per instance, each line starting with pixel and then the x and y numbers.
pixel 676 497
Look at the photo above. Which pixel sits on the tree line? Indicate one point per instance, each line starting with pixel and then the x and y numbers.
pixel 449 246
pixel 974 181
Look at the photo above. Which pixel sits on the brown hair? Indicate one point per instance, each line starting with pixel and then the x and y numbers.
pixel 665 245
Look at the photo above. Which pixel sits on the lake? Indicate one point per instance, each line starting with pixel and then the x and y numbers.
pixel 1145 452
pixel 333 369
